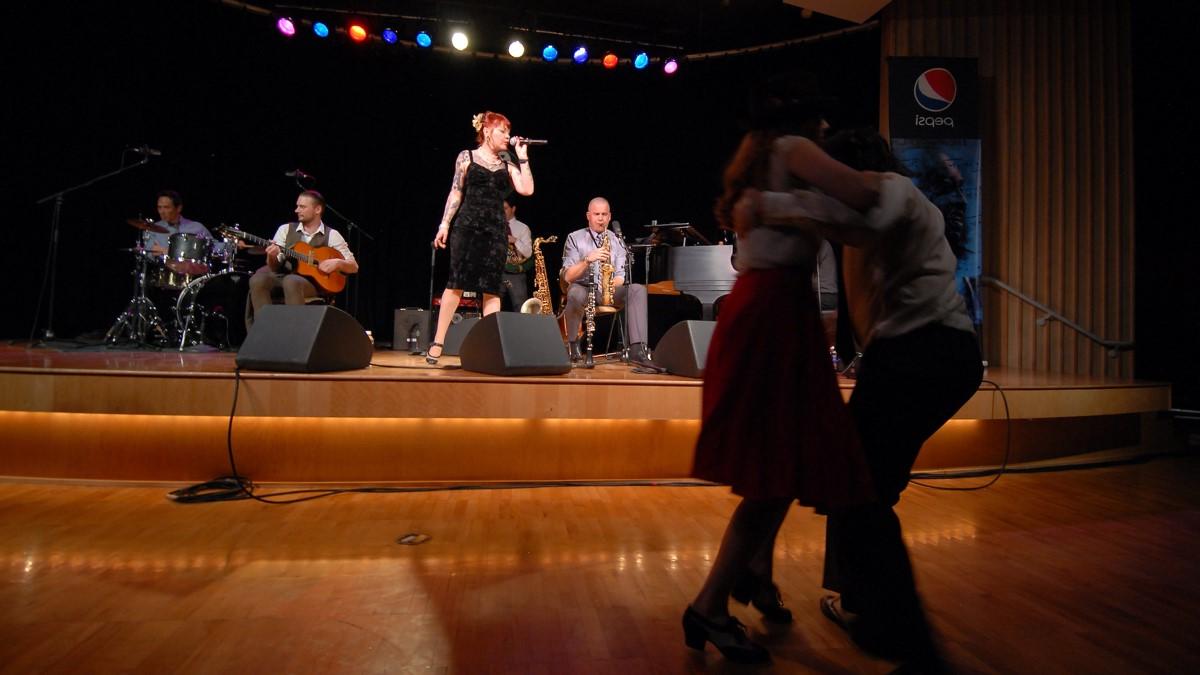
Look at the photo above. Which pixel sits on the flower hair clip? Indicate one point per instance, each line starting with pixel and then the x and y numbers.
pixel 477 122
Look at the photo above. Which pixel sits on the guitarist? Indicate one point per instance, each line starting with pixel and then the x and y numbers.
pixel 281 272
pixel 515 282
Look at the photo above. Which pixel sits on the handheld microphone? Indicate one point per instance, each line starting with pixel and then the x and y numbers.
pixel 297 173
pixel 527 141
pixel 145 150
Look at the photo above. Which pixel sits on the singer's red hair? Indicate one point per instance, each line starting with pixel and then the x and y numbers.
pixel 491 119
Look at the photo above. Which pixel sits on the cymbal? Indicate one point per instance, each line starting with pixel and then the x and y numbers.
pixel 146 225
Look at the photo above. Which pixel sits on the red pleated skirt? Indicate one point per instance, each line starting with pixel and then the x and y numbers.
pixel 774 423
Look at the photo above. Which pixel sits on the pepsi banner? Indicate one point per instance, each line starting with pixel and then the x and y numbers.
pixel 934 120
pixel 933 97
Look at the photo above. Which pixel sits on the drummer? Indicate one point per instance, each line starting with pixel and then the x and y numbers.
pixel 170 214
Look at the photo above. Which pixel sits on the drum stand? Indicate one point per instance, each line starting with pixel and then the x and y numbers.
pixel 140 319
pixel 190 335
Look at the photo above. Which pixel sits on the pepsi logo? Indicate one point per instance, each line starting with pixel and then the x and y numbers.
pixel 935 89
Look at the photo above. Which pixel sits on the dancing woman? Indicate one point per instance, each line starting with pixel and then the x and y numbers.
pixel 473 223
pixel 773 425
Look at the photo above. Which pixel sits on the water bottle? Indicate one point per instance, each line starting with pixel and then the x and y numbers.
pixel 833 359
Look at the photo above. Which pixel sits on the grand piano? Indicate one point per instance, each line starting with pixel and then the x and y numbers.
pixel 694 265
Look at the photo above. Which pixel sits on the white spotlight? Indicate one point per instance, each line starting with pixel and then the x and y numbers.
pixel 516 49
pixel 459 40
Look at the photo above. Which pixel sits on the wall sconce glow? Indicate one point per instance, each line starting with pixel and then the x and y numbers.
pixel 389 36
pixel 286 26
pixel 423 39
pixel 641 60
pixel 580 55
pixel 550 53
pixel 358 32
pixel 516 49
pixel 670 67
pixel 320 29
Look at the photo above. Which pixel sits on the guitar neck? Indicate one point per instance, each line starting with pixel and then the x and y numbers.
pixel 263 241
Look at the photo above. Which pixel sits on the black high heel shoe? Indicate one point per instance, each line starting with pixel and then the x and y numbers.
pixel 750 589
pixel 729 638
pixel 432 360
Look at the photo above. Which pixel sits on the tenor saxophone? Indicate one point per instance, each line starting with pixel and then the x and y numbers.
pixel 605 302
pixel 540 302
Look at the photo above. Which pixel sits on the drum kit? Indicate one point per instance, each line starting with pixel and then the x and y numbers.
pixel 199 284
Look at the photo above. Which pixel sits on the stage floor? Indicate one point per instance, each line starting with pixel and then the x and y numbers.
pixel 148 415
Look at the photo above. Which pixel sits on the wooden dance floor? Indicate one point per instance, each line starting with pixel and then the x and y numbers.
pixel 164 416
pixel 1074 572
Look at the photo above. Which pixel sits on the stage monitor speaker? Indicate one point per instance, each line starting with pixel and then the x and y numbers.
pixel 682 350
pixel 411 330
pixel 509 343
pixel 456 333
pixel 305 339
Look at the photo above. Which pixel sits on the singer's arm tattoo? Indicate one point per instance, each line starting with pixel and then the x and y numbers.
pixel 454 199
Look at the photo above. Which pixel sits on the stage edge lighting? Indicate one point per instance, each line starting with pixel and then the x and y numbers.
pixel 358 32
pixel 320 29
pixel 459 40
pixel 390 36
pixel 516 49
pixel 641 60
pixel 670 67
pixel 285 26
pixel 580 55
pixel 423 39
pixel 550 53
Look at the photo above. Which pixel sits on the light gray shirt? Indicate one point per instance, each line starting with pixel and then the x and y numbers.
pixel 582 242
pixel 898 267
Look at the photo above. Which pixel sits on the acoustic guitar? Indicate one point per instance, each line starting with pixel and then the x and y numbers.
pixel 307 259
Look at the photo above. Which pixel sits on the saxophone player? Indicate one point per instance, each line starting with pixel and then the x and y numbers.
pixel 515 283
pixel 585 249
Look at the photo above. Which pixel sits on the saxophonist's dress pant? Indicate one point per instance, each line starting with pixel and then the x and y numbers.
pixel 633 295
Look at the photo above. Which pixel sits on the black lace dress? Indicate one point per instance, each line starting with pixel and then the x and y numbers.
pixel 479 233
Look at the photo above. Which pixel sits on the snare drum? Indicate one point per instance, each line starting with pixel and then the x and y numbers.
pixel 188 253
pixel 162 277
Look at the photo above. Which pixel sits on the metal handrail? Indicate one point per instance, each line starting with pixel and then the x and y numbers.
pixel 1114 347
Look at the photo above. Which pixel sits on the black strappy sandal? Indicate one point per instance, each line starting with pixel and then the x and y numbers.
pixel 432 360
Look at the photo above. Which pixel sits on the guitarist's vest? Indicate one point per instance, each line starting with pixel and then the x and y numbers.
pixel 294 236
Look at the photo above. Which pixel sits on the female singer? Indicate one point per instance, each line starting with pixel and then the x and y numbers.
pixel 473 223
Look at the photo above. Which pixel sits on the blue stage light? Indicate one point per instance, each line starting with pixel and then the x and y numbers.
pixel 550 53
pixel 320 30
pixel 580 55
pixel 641 60
pixel 423 39
pixel 389 36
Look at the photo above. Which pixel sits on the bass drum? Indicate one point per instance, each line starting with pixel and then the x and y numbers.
pixel 213 308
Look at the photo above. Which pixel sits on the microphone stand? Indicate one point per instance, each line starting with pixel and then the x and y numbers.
pixel 51 273
pixel 351 227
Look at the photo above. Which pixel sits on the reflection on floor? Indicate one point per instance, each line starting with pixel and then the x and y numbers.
pixel 1084 571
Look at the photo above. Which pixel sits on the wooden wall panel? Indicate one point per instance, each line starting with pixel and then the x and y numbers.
pixel 1057 215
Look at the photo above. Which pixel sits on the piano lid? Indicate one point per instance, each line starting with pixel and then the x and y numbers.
pixel 701 267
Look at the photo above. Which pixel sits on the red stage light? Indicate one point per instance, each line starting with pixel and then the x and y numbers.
pixel 357 32
pixel 610 60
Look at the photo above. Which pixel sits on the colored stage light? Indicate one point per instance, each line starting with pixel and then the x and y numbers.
pixel 320 29
pixel 286 26
pixel 550 53
pixel 516 49
pixel 670 67
pixel 641 60
pixel 610 60
pixel 459 40
pixel 389 36
pixel 580 55
pixel 358 32
pixel 423 39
